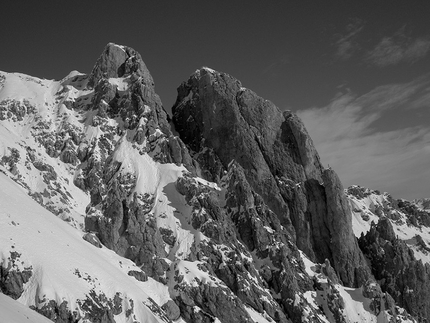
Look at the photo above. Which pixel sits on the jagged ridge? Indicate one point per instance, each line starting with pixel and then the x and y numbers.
pixel 221 121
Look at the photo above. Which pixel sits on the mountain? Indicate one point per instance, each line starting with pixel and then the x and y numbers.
pixel 114 211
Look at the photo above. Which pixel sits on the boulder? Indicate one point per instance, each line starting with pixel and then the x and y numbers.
pixel 172 310
pixel 139 275
pixel 93 239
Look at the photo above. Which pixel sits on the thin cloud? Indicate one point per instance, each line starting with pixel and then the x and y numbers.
pixel 422 101
pixel 345 49
pixel 275 66
pixel 389 96
pixel 346 44
pixel 398 48
pixel 395 161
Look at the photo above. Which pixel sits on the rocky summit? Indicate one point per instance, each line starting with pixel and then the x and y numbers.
pixel 114 211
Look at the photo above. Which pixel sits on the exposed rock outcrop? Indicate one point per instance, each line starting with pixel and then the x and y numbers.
pixel 13 277
pixel 220 122
pixel 125 225
pixel 172 310
pixel 229 262
pixel 60 313
pixel 119 61
pixel 93 239
pixel 400 275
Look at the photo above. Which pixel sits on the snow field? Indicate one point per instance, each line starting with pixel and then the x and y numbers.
pixel 65 267
pixel 12 311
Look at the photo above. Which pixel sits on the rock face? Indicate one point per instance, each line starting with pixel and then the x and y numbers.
pixel 119 61
pixel 125 226
pixel 12 277
pixel 223 123
pixel 406 279
pixel 135 101
pixel 274 194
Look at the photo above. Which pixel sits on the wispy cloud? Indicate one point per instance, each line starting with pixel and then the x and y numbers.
pixel 346 43
pixel 423 101
pixel 398 48
pixel 276 65
pixel 396 161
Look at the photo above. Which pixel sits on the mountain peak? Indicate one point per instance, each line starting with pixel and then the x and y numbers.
pixel 119 61
pixel 220 122
pixel 206 69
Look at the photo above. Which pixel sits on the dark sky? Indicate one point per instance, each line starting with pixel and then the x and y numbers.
pixel 339 57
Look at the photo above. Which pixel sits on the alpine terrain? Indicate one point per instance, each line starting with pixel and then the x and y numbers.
pixel 111 210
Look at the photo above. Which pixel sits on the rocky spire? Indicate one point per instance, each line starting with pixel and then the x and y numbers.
pixel 145 127
pixel 119 61
pixel 221 121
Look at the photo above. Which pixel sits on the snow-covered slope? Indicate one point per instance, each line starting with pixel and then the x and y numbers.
pixel 37 130
pixel 12 311
pixel 42 124
pixel 65 268
pixel 410 219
